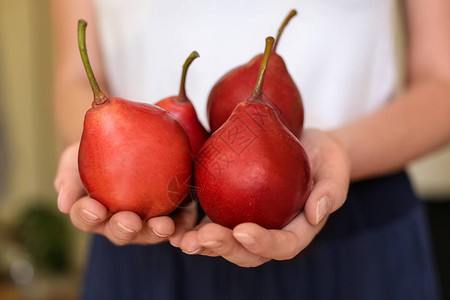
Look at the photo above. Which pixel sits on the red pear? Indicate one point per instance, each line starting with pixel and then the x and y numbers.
pixel 133 156
pixel 253 169
pixel 182 109
pixel 280 90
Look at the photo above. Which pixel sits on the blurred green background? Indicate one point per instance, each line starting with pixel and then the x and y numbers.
pixel 41 255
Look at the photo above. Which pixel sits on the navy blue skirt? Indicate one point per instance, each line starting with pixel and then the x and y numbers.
pixel 375 247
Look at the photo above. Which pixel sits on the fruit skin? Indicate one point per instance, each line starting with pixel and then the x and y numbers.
pixel 279 90
pixel 252 169
pixel 134 157
pixel 182 109
pixel 185 113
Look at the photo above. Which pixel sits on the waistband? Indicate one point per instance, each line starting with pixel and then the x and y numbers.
pixel 371 203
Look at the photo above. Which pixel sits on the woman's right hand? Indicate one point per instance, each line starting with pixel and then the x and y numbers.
pixel 121 228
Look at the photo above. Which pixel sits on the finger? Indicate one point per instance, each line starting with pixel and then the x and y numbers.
pixel 185 219
pixel 277 244
pixel 221 241
pixel 190 236
pixel 189 243
pixel 88 214
pixel 331 175
pixel 207 252
pixel 70 191
pixel 123 227
pixel 68 162
pixel 203 222
pixel 326 197
pixel 161 227
pixel 148 235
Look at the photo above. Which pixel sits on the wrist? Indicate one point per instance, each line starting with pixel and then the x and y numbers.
pixel 338 137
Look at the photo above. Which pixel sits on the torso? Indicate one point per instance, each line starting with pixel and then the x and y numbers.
pixel 340 53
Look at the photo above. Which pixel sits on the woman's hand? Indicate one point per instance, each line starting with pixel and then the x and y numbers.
pixel 120 228
pixel 249 245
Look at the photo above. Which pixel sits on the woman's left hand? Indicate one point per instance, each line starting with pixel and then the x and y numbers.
pixel 250 245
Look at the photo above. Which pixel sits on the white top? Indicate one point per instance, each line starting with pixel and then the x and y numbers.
pixel 340 53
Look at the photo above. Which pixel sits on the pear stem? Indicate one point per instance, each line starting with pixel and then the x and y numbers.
pixel 182 95
pixel 99 97
pixel 291 14
pixel 256 94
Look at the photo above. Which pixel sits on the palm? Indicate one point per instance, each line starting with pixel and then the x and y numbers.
pixel 251 245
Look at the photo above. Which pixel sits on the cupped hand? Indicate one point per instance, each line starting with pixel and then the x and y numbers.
pixel 250 245
pixel 120 228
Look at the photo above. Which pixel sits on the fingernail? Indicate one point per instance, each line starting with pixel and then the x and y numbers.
pixel 89 216
pixel 59 200
pixel 176 244
pixel 193 251
pixel 212 244
pixel 322 208
pixel 245 239
pixel 124 229
pixel 159 234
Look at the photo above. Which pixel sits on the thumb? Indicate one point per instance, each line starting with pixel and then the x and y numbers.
pixel 330 171
pixel 185 218
pixel 67 181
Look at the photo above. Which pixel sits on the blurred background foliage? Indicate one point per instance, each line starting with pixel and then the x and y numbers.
pixel 43 233
pixel 41 255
